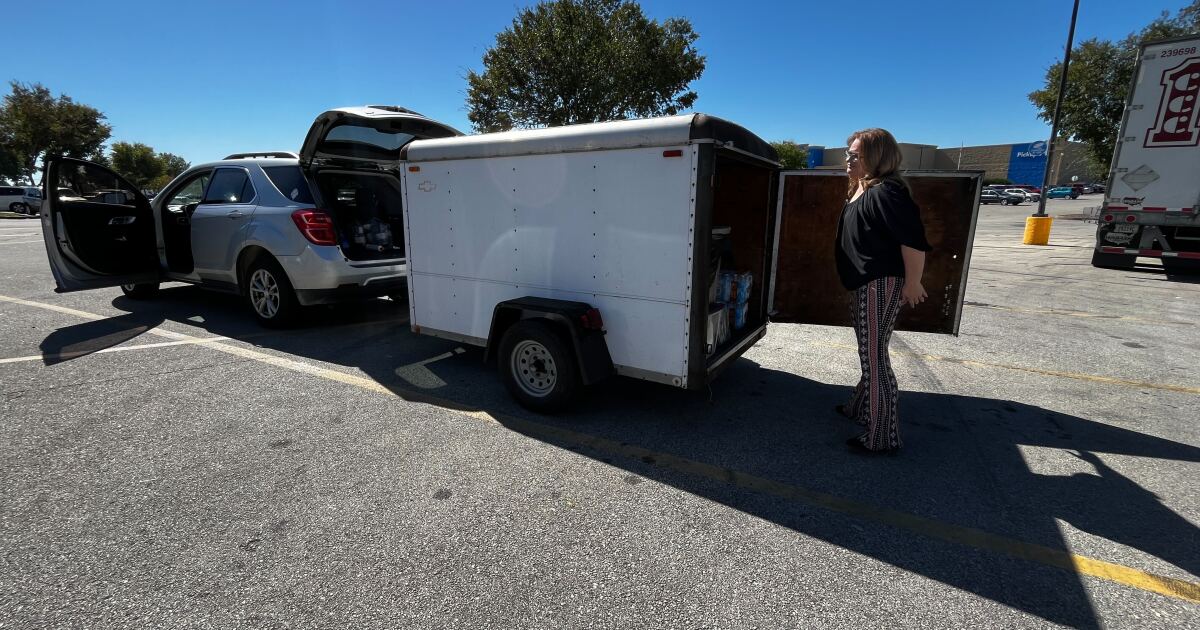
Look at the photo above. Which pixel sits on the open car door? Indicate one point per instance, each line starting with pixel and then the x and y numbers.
pixel 805 286
pixel 99 229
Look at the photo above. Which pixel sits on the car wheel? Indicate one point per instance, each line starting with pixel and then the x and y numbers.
pixel 18 207
pixel 140 291
pixel 1113 261
pixel 538 367
pixel 269 293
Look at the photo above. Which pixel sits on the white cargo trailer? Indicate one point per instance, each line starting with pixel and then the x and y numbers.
pixel 574 252
pixel 1152 203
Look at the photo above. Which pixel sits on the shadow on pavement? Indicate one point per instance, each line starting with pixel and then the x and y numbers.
pixel 81 340
pixel 970 462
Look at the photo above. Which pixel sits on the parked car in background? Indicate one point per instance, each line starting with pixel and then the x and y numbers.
pixel 1001 196
pixel 1062 192
pixel 280 229
pixel 1027 195
pixel 12 199
pixel 987 195
pixel 33 199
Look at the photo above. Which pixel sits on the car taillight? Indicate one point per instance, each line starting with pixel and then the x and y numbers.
pixel 592 320
pixel 1130 218
pixel 316 226
pixel 1108 218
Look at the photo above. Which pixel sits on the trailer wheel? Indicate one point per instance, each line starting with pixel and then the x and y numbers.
pixel 1113 261
pixel 538 367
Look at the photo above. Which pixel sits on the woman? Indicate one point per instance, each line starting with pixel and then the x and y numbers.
pixel 880 258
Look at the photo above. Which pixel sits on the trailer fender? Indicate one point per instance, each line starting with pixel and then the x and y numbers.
pixel 591 350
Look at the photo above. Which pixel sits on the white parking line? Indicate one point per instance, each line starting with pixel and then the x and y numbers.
pixel 181 339
pixel 146 346
pixel 18 242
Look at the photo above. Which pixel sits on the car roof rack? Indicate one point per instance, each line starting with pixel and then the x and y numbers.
pixel 262 154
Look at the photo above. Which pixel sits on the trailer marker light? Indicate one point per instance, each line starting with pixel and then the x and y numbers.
pixel 673 153
pixel 414 169
pixel 591 320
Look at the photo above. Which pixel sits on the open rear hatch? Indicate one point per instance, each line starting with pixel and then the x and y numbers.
pixel 352 156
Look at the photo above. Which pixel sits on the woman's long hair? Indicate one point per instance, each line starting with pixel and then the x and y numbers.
pixel 880 157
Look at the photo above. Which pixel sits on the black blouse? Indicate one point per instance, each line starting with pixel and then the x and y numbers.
pixel 872 229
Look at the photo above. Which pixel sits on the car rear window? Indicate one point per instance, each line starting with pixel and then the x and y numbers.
pixel 290 181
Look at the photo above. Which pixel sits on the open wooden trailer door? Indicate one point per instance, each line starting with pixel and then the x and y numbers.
pixel 805 287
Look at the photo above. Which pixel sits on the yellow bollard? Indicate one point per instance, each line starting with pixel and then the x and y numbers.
pixel 1037 230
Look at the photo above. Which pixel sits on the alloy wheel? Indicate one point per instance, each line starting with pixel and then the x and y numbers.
pixel 264 293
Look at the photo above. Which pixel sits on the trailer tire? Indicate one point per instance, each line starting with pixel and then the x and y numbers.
pixel 538 367
pixel 1113 261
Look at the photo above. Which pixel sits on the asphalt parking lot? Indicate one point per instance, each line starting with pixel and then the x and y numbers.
pixel 170 464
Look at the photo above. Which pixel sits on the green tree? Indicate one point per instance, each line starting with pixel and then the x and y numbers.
pixel 144 167
pixel 172 166
pixel 35 124
pixel 578 61
pixel 1098 84
pixel 136 162
pixel 791 155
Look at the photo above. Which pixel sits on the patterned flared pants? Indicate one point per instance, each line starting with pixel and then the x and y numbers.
pixel 874 308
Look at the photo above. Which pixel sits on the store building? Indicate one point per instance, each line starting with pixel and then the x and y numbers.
pixel 1022 163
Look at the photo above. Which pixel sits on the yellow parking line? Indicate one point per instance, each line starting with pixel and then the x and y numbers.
pixel 1095 378
pixel 968 536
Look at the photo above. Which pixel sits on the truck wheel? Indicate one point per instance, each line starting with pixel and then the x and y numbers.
pixel 18 207
pixel 538 367
pixel 140 291
pixel 270 294
pixel 1113 261
pixel 1181 265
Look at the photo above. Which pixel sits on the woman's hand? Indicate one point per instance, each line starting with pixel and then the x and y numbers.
pixel 913 293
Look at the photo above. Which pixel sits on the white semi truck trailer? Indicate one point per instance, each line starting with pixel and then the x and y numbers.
pixel 1152 203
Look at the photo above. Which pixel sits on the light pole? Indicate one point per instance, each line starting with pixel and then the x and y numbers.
pixel 1062 90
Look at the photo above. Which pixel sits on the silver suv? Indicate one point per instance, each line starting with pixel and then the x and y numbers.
pixel 281 229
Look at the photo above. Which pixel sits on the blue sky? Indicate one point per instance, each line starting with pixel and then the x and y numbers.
pixel 203 79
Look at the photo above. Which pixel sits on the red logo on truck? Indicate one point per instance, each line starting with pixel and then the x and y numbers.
pixel 1177 124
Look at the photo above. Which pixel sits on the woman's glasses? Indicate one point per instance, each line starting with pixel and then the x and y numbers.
pixel 851 157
